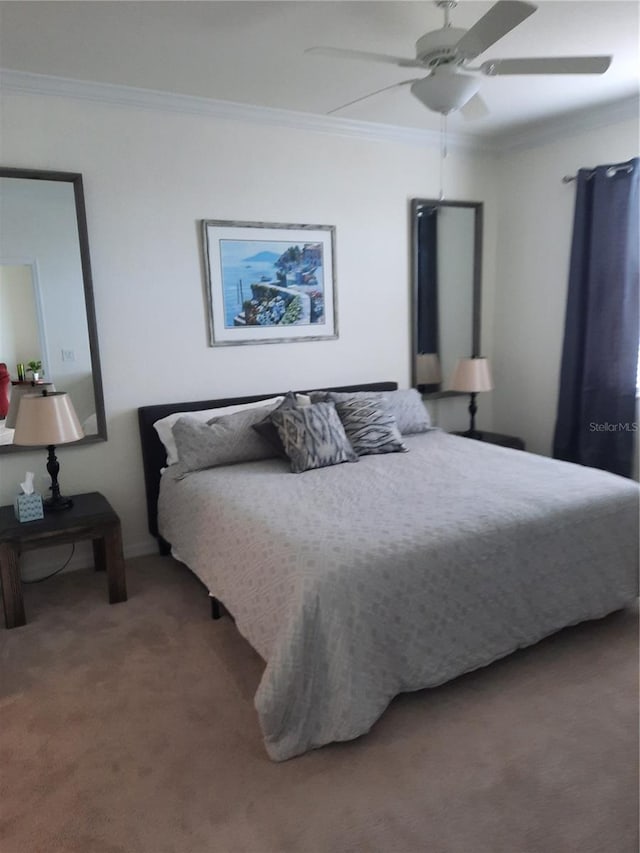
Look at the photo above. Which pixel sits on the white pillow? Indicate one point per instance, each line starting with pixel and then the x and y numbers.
pixel 164 426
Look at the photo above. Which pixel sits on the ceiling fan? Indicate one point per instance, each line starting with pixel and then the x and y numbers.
pixel 447 52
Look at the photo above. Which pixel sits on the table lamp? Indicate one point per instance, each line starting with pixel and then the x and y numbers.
pixel 48 419
pixel 472 375
pixel 17 393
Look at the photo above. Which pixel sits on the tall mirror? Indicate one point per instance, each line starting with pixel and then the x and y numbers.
pixel 447 265
pixel 47 314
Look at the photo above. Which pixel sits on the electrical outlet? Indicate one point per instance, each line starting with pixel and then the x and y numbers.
pixel 68 355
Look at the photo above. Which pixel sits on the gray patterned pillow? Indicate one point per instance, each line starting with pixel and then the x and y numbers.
pixel 268 430
pixel 406 406
pixel 313 437
pixel 370 427
pixel 409 410
pixel 223 440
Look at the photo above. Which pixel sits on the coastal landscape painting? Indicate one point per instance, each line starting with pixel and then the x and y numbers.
pixel 269 283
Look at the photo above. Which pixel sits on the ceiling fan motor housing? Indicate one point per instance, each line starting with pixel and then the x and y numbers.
pixel 439 46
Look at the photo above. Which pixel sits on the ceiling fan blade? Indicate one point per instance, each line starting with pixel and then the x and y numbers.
pixel 343 53
pixel 476 108
pixel 371 94
pixel 547 65
pixel 499 20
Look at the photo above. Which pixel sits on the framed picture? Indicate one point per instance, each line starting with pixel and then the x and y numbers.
pixel 269 283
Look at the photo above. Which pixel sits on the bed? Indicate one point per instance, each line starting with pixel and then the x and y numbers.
pixel 356 583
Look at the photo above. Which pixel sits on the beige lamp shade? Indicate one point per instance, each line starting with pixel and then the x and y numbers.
pixel 17 393
pixel 428 370
pixel 45 419
pixel 472 375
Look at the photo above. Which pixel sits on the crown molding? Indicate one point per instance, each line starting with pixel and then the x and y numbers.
pixel 524 136
pixel 26 82
pixel 567 125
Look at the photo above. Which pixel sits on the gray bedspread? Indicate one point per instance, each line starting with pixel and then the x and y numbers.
pixel 398 572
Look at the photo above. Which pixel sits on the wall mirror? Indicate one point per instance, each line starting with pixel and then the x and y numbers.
pixel 447 268
pixel 47 311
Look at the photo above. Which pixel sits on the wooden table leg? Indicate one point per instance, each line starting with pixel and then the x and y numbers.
pixel 11 586
pixel 99 555
pixel 115 564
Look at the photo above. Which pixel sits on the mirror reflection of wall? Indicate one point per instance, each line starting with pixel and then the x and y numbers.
pixel 455 286
pixel 447 240
pixel 43 310
pixel 20 333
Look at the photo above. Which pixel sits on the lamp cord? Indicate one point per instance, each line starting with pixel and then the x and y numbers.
pixel 57 571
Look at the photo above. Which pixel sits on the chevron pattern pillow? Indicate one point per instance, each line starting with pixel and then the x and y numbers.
pixel 370 427
pixel 313 437
pixel 405 405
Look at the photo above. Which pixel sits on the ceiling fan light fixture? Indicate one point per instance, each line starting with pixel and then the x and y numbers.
pixel 445 92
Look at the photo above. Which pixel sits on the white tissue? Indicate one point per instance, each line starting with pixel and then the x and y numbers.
pixel 27 486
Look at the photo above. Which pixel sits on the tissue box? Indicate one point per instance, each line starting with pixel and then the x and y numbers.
pixel 28 507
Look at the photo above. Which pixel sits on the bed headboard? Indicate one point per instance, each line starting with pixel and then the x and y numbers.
pixel 153 453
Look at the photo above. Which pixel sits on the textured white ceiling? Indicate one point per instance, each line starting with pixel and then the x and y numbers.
pixel 253 53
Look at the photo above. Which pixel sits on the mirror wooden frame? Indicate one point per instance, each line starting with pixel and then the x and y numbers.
pixel 478 207
pixel 74 178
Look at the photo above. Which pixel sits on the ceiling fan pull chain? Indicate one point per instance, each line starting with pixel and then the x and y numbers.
pixel 443 151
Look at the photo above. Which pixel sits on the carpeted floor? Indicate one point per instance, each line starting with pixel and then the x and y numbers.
pixel 131 728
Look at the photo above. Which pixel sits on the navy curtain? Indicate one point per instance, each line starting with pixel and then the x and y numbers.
pixel 428 336
pixel 596 405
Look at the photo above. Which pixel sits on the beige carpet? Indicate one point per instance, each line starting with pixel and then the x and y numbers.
pixel 131 728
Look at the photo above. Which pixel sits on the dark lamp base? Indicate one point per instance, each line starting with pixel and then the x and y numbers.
pixel 57 504
pixel 473 433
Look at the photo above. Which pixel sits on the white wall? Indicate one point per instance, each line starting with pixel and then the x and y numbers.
pixel 19 334
pixel 535 225
pixel 149 178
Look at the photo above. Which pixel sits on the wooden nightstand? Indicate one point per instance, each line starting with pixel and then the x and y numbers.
pixel 90 517
pixel 495 438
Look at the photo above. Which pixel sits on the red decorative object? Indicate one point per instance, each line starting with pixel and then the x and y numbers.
pixel 5 383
